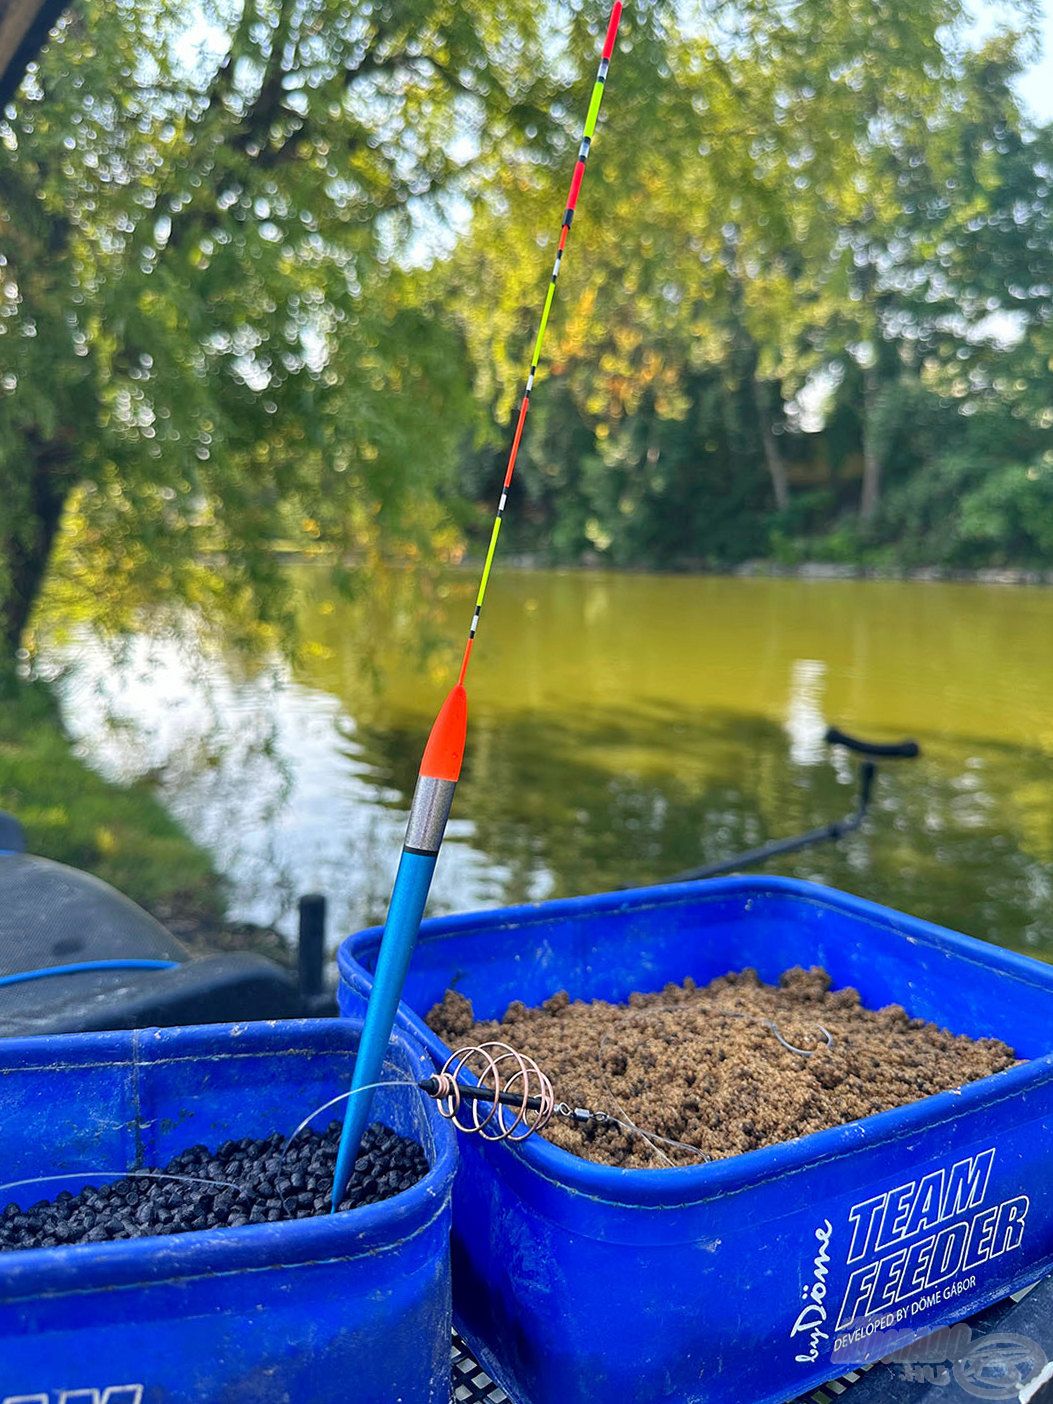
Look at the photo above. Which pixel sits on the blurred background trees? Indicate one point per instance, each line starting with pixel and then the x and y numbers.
pixel 814 317
pixel 270 271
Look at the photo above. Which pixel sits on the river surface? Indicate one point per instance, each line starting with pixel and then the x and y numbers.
pixel 622 727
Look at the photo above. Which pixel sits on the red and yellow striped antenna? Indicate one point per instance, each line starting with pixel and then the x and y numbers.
pixel 440 766
pixel 588 132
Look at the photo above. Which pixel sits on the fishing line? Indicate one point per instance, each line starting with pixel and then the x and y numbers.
pixel 119 1175
pixel 804 1052
pixel 769 1024
pixel 653 1136
pixel 333 1101
pixel 448 1091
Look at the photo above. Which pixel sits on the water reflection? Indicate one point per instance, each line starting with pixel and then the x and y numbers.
pixel 805 717
pixel 271 776
pixel 622 728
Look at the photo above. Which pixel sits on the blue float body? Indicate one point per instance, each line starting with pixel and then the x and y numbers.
pixel 409 896
pixel 577 1282
pixel 288 1312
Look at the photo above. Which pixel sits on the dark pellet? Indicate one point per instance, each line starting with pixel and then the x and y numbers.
pixel 268 1190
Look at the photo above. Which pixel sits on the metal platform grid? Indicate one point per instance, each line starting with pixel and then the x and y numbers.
pixel 1021 1312
pixel 472 1385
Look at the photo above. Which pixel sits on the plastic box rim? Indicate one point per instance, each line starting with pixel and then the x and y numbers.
pixel 676 1188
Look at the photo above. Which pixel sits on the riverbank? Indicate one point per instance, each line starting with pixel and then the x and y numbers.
pixel 769 569
pixel 834 570
pixel 764 567
pixel 122 834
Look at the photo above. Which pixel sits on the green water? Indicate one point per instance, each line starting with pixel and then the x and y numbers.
pixel 623 727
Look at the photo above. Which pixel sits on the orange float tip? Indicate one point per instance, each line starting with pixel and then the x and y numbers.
pixel 445 749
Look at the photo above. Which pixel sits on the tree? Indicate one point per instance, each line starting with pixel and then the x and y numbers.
pixel 768 205
pixel 206 340
pixel 928 139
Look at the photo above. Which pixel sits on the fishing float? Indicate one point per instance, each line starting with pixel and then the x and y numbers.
pixel 440 766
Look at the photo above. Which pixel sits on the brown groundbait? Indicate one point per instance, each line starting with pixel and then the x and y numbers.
pixel 704 1066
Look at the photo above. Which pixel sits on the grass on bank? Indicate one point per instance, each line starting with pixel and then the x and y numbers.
pixel 120 833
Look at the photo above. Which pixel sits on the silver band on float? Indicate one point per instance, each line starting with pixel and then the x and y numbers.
pixel 428 813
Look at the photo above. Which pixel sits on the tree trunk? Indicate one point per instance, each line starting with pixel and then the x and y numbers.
pixel 28 542
pixel 773 458
pixel 745 356
pixel 24 30
pixel 875 440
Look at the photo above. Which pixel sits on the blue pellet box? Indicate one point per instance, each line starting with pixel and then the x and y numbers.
pixel 284 1313
pixel 760 1276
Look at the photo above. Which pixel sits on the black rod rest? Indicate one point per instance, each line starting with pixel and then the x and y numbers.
pixel 872 751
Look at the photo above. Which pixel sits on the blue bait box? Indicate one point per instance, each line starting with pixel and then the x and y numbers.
pixel 760 1276
pixel 288 1312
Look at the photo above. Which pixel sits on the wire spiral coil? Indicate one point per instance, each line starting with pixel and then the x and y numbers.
pixel 519 1095
pixel 519 1098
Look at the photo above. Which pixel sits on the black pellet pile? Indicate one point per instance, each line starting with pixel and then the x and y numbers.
pixel 269 1190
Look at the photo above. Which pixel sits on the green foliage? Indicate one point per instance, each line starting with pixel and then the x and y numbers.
pixel 817 196
pixel 962 511
pixel 207 337
pixel 71 814
pixel 1011 512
